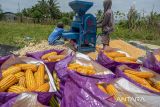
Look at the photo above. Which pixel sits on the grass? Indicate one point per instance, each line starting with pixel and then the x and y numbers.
pixel 20 34
pixel 16 34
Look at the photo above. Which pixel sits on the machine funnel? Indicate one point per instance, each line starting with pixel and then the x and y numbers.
pixel 80 7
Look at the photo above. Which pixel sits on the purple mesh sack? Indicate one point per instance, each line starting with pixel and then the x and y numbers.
pixel 151 62
pixel 39 98
pixel 119 72
pixel 80 91
pixel 111 64
pixel 38 55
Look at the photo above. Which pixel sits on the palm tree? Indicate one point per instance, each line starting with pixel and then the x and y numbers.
pixel 54 9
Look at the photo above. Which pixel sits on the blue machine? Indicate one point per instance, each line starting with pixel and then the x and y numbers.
pixel 83 27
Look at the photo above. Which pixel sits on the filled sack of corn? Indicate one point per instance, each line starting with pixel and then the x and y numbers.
pixel 50 57
pixel 129 94
pixel 80 64
pixel 25 82
pixel 152 60
pixel 142 77
pixel 82 91
pixel 111 57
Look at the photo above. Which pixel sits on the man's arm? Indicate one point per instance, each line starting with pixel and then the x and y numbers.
pixel 104 21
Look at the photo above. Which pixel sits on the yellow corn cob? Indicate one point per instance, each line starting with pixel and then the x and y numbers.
pixel 30 80
pixel 17 89
pixel 46 78
pixel 111 90
pixel 157 85
pixel 54 58
pixel 157 57
pixel 139 80
pixel 102 88
pixel 43 88
pixel 123 59
pixel 140 74
pixel 32 67
pixel 47 55
pixel 114 54
pixel 128 58
pixel 19 75
pixel 40 75
pixel 8 81
pixel 150 82
pixel 22 82
pixel 151 88
pixel 11 70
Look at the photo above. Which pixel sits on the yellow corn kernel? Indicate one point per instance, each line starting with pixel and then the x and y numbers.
pixel 19 75
pixel 8 81
pixel 111 90
pixel 40 75
pixel 11 70
pixel 30 80
pixel 25 67
pixel 17 89
pixel 140 74
pixel 22 82
pixel 43 88
pixel 139 80
pixel 44 57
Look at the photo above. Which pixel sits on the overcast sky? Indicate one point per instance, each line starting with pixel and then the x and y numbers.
pixel 122 5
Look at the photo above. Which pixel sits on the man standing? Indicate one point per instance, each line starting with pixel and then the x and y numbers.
pixel 107 23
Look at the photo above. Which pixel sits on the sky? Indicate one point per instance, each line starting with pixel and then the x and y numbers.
pixel 145 6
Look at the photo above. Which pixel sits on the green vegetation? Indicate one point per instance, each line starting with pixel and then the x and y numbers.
pixel 20 34
pixel 132 26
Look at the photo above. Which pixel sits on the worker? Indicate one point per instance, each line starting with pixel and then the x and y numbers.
pixel 106 23
pixel 54 37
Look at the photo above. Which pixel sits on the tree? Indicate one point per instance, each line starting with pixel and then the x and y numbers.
pixel 54 9
pixel 43 9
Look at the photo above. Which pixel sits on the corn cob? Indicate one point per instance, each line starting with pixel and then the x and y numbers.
pixel 19 75
pixel 111 90
pixel 17 89
pixel 24 67
pixel 123 59
pixel 102 88
pixel 157 85
pixel 40 75
pixel 22 82
pixel 11 70
pixel 114 54
pixel 8 81
pixel 151 88
pixel 54 58
pixel 157 57
pixel 140 74
pixel 30 80
pixel 46 78
pixel 43 88
pixel 128 58
pixel 139 80
pixel 47 55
